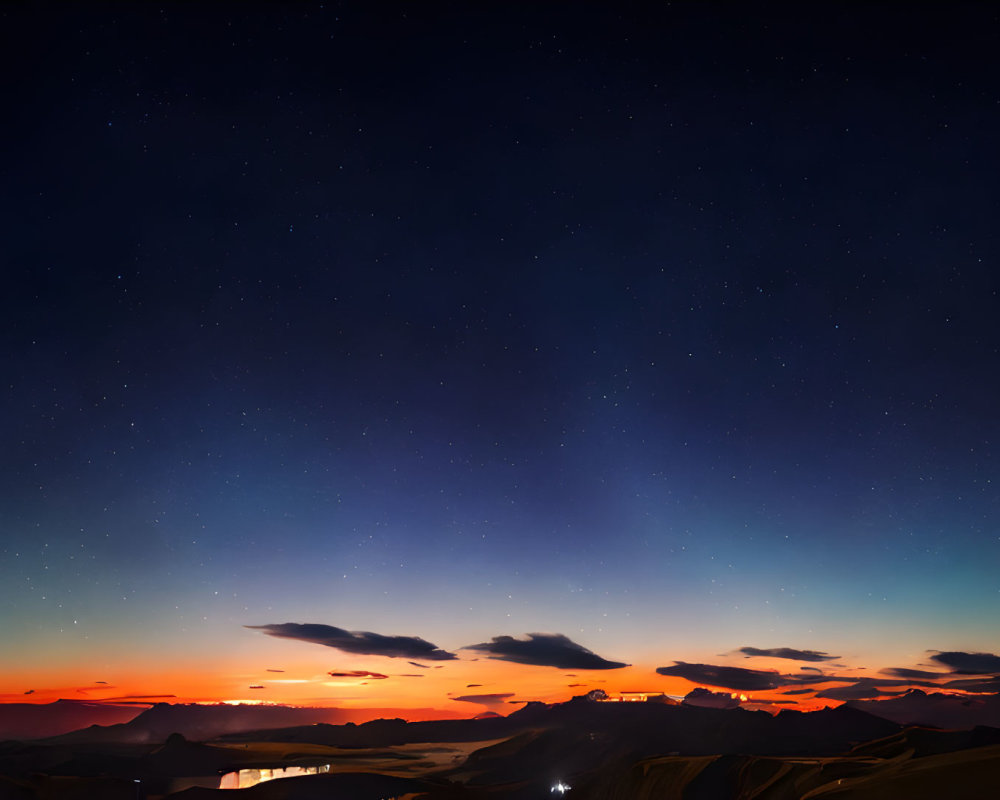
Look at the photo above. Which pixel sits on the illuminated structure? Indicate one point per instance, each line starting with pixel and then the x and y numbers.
pixel 600 696
pixel 251 777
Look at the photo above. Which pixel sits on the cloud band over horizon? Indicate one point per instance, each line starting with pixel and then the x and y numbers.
pixel 357 642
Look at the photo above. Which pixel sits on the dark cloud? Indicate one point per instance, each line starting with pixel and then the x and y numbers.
pixel 975 684
pixel 811 669
pixel 484 699
pixel 472 685
pixel 850 693
pixel 422 666
pixel 817 678
pixel 862 690
pixel 799 691
pixel 544 650
pixel 736 678
pixel 749 680
pixel 574 685
pixel 138 698
pixel 358 673
pixel 919 674
pixel 968 663
pixel 789 653
pixel 274 670
pixel 408 675
pixel 362 643
pixel 852 679
pixel 706 698
pixel 813 679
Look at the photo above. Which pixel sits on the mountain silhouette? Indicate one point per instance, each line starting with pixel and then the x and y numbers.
pixel 37 720
pixel 938 709
pixel 601 750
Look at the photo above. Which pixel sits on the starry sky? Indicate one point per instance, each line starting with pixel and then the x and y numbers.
pixel 659 332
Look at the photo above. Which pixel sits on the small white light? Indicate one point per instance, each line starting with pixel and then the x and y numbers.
pixel 560 787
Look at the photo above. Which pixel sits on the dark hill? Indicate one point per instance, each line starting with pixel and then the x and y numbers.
pixel 922 742
pixel 36 721
pixel 603 750
pixel 356 786
pixel 200 722
pixel 636 728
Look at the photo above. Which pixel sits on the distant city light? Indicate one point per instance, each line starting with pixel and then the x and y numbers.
pixel 560 787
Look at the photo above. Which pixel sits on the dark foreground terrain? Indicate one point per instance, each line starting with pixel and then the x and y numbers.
pixel 580 749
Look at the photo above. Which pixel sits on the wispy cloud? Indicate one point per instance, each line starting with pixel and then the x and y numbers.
pixel 358 673
pixel 138 698
pixel 484 699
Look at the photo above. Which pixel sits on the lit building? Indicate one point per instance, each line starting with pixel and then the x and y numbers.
pixel 251 777
pixel 601 696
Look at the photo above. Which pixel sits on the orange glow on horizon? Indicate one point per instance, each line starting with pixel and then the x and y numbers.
pixel 264 674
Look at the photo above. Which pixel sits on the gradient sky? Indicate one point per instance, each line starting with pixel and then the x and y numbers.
pixel 672 332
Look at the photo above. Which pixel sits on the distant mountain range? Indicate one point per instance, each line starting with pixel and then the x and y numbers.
pixel 586 730
pixel 203 722
pixel 35 720
pixel 603 751
pixel 81 721
pixel 936 709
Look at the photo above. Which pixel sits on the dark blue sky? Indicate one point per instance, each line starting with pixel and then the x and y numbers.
pixel 662 329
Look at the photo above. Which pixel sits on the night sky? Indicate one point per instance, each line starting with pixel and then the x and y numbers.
pixel 665 331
